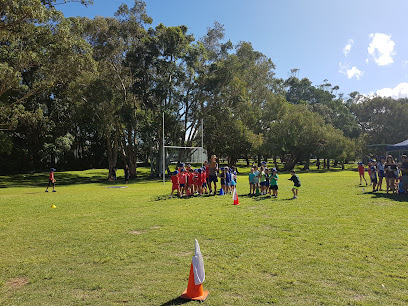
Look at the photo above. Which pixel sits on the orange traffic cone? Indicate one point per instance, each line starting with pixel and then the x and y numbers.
pixel 235 197
pixel 197 276
pixel 193 291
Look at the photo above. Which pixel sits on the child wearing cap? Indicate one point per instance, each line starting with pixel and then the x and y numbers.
pixel 295 179
pixel 175 183
pixel 51 180
pixel 182 181
pixel 373 176
pixel 190 181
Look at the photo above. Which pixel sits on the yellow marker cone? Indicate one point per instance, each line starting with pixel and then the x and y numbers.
pixel 53 206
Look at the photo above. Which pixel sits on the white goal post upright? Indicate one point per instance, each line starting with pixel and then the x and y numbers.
pixel 177 147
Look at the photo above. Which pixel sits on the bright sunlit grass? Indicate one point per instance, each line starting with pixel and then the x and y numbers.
pixel 334 245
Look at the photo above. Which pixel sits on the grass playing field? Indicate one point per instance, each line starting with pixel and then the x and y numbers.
pixel 336 244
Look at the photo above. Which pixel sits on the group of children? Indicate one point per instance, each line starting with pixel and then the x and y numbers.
pixel 261 182
pixel 395 174
pixel 187 181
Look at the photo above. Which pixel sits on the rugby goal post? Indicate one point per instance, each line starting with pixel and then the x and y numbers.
pixel 198 158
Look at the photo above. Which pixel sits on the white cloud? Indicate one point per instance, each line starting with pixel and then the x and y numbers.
pixel 350 72
pixel 347 48
pixel 399 91
pixel 381 49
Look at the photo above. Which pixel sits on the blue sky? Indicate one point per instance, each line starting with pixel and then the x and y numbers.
pixel 358 45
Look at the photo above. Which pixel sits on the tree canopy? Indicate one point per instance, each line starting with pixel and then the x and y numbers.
pixel 78 93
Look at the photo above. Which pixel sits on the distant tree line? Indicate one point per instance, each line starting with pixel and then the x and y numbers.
pixel 80 93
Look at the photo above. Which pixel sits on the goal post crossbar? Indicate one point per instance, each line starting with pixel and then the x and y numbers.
pixel 177 147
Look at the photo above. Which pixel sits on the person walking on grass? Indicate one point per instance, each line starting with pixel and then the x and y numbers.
pixel 361 171
pixel 51 180
pixel 295 179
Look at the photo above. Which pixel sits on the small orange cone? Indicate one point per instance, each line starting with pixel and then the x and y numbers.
pixel 235 197
pixel 193 291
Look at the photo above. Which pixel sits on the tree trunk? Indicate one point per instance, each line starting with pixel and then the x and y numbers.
pixel 324 163
pixel 247 160
pixel 342 165
pixel 112 146
pixel 307 165
pixel 275 162
pixel 328 164
pixel 318 163
pixel 289 163
pixel 336 162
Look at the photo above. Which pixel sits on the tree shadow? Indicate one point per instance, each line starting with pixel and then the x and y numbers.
pixel 65 179
pixel 390 196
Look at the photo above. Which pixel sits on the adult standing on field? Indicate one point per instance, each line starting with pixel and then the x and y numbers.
pixel 212 171
pixel 404 170
pixel 390 167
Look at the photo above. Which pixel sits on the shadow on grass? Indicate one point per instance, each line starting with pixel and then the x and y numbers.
pixel 64 179
pixel 176 301
pixel 390 196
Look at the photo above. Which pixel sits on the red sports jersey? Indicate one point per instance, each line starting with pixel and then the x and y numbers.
pixel 191 178
pixel 182 178
pixel 175 180
pixel 51 176
pixel 207 172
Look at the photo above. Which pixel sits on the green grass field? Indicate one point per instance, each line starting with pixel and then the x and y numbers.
pixel 101 246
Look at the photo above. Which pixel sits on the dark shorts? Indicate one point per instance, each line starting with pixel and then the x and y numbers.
pixel 204 185
pixel 374 180
pixel 382 173
pixel 267 184
pixel 390 174
pixel 51 183
pixel 263 183
pixel 213 178
pixel 182 185
pixel 274 187
pixel 222 181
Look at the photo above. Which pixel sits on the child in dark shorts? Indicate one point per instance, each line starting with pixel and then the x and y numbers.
pixel 51 180
pixel 295 179
pixel 373 176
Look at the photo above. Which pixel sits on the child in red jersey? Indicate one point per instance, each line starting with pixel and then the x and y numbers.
pixel 196 182
pixel 361 171
pixel 51 180
pixel 183 181
pixel 190 182
pixel 176 185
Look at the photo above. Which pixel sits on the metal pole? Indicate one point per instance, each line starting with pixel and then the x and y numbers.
pixel 202 142
pixel 164 159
